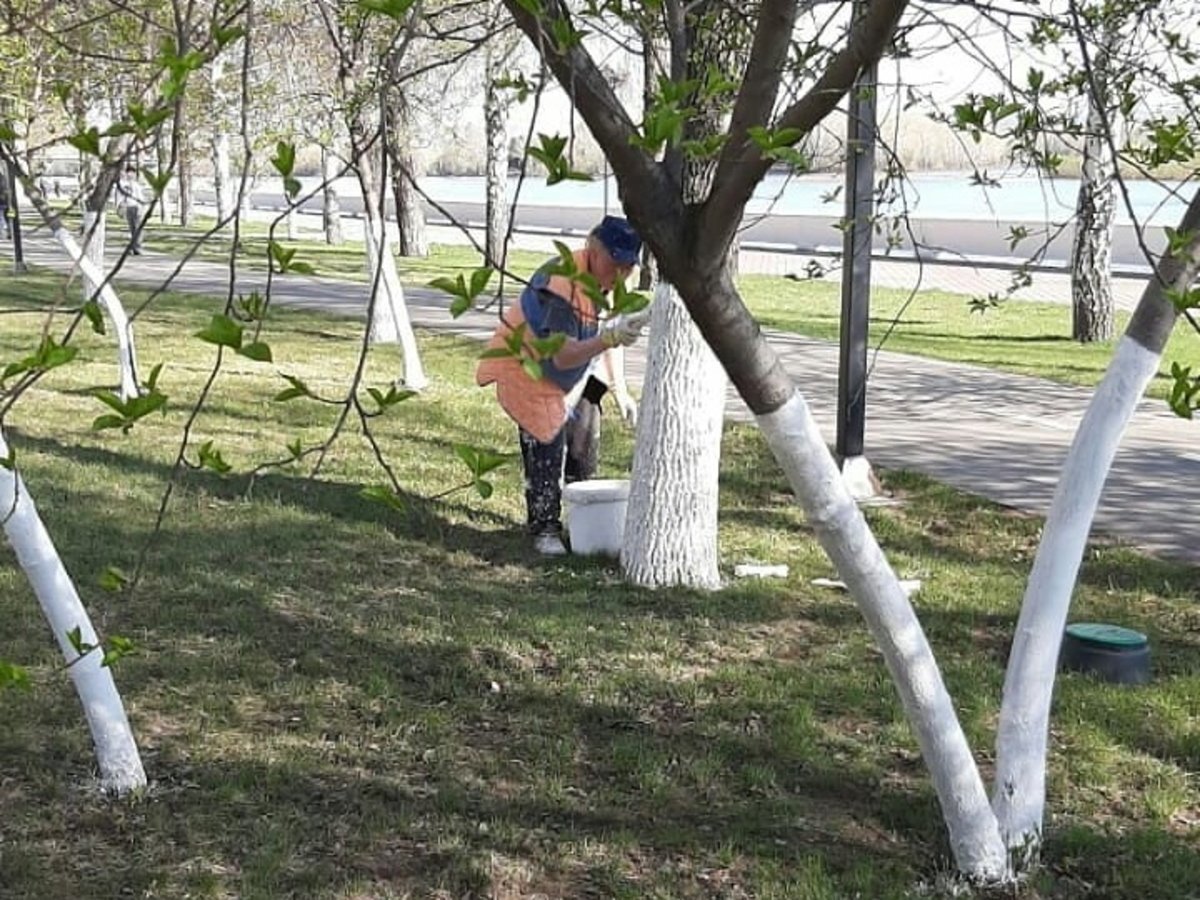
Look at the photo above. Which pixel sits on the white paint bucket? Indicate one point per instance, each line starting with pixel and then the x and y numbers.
pixel 596 515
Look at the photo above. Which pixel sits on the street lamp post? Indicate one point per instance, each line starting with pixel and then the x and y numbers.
pixel 856 284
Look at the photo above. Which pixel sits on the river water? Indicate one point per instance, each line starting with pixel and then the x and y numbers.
pixel 948 195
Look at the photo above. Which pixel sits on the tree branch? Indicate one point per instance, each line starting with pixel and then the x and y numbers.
pixel 764 72
pixel 742 166
pixel 646 192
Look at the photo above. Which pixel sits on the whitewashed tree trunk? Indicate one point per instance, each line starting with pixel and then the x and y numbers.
pixel 1021 737
pixel 95 236
pixel 671 523
pixel 331 213
pixel 1020 792
pixel 91 267
pixel 222 177
pixel 838 522
pixel 390 322
pixel 116 751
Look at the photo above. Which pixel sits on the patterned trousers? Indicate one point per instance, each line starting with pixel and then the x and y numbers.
pixel 572 456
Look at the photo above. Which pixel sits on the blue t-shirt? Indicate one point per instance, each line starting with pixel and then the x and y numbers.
pixel 548 313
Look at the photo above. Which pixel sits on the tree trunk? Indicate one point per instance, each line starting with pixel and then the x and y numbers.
pixel 331 213
pixel 185 166
pixel 1095 214
pixel 91 274
pixel 1021 737
pixel 410 215
pixel 495 120
pixel 389 314
pixel 222 181
pixel 116 750
pixel 678 451
pixel 222 178
pixel 671 521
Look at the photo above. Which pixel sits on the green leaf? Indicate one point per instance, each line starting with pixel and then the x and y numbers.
pixel 222 331
pixel 86 142
pixel 532 368
pixel 115 648
pixel 298 389
pixel 296 449
pixel 383 495
pixel 13 676
pixel 284 159
pixel 152 381
pixel 158 181
pixel 257 351
pixel 393 9
pixel 480 279
pixel 211 458
pixel 10 460
pixel 113 579
pixel 459 306
pixel 227 35
pixel 108 421
pixel 480 461
pixel 484 488
pixel 91 309
pixel 292 187
pixel 75 639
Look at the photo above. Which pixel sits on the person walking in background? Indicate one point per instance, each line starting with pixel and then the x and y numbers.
pixel 5 232
pixel 130 201
pixel 558 414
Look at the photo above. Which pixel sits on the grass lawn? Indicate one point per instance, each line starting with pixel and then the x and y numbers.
pixel 339 699
pixel 1028 338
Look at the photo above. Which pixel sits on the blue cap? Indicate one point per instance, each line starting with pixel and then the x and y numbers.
pixel 619 239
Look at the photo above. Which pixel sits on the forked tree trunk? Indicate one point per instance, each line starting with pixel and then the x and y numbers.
pixel 389 318
pixel 116 750
pixel 92 275
pixel 671 522
pixel 1095 215
pixel 1021 738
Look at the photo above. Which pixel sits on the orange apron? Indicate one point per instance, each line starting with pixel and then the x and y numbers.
pixel 538 405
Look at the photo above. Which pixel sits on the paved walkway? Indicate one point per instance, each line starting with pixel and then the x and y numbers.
pixel 999 435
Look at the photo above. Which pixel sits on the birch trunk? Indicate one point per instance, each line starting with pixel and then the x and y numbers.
pixel 1095 215
pixel 495 121
pixel 671 521
pixel 1021 739
pixel 838 522
pixel 116 750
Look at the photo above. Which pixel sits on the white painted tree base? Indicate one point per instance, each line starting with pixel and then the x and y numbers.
pixel 116 751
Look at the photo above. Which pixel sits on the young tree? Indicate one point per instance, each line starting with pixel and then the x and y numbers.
pixel 691 240
pixel 361 50
pixel 87 662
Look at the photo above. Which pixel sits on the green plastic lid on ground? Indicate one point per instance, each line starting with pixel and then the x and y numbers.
pixel 1102 635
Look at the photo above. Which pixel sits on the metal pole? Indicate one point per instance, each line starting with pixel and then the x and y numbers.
pixel 856 265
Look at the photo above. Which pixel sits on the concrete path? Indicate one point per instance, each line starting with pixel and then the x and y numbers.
pixel 994 434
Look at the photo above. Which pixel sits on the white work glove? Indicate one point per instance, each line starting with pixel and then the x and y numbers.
pixel 624 329
pixel 628 407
